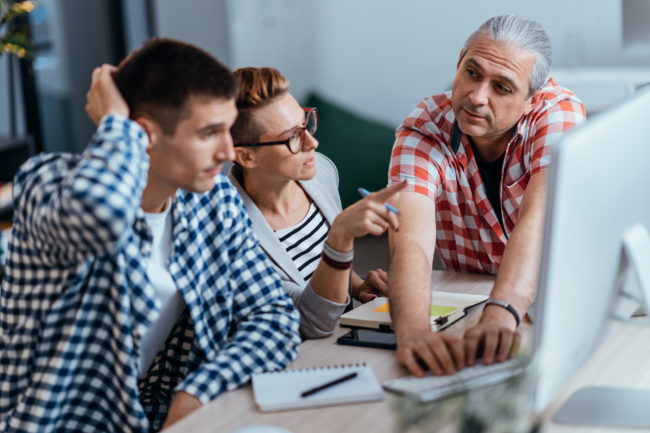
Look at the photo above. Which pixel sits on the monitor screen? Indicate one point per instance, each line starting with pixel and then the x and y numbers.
pixel 599 193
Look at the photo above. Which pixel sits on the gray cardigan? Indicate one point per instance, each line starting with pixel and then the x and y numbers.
pixel 318 316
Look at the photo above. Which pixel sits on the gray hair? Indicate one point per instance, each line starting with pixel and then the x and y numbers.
pixel 524 33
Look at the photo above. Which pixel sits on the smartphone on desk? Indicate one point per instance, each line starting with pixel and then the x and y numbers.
pixel 368 338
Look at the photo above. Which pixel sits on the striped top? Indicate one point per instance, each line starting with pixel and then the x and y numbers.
pixel 304 241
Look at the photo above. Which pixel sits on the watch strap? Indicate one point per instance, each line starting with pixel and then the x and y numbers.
pixel 507 306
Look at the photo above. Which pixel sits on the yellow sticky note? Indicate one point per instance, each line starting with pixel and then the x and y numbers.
pixel 382 309
pixel 436 310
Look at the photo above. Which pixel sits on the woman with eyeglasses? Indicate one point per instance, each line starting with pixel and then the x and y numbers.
pixel 291 193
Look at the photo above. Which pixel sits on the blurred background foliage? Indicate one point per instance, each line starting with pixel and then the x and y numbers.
pixel 14 35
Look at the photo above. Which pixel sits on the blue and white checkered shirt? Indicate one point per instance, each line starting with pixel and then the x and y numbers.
pixel 76 301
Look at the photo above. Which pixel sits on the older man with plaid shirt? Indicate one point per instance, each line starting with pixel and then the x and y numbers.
pixel 135 290
pixel 476 160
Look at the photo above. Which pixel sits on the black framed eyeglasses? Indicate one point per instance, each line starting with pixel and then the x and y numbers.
pixel 297 136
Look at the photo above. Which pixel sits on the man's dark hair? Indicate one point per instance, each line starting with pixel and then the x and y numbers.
pixel 159 78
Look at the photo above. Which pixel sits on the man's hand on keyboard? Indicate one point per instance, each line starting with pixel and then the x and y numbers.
pixel 439 352
pixel 494 338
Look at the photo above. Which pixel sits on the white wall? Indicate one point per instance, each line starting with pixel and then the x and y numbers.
pixel 380 57
pixel 277 33
pixel 245 33
pixel 200 22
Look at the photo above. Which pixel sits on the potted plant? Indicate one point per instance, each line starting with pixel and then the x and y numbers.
pixel 15 38
pixel 14 43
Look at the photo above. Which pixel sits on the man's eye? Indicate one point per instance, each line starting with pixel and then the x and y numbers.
pixel 209 133
pixel 503 89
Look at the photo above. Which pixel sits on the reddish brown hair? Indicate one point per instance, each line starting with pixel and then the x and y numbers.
pixel 257 88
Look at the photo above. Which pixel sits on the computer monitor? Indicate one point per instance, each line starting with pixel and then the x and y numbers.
pixel 596 243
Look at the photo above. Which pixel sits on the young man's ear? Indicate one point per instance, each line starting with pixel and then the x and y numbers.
pixel 245 157
pixel 151 128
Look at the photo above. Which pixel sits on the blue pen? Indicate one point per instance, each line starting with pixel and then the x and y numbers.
pixel 364 193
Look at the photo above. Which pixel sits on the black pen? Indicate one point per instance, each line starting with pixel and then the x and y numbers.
pixel 328 385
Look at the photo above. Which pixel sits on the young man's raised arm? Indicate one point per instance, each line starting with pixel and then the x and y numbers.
pixel 81 206
pixel 409 280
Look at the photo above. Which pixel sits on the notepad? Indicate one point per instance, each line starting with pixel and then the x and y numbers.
pixel 446 308
pixel 281 390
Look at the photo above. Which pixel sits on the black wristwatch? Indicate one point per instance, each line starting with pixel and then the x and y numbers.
pixel 504 304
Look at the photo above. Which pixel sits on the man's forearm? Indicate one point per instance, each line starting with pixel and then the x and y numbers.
pixel 418 349
pixel 517 278
pixel 409 276
pixel 409 280
pixel 518 275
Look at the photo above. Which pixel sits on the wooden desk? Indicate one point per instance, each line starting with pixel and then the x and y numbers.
pixel 622 361
pixel 617 362
pixel 237 409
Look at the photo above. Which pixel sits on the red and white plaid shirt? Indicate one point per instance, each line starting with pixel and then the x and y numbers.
pixel 468 235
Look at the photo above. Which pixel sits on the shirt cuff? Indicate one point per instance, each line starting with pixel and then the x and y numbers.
pixel 318 316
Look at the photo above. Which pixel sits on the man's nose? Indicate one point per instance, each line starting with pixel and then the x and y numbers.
pixel 480 94
pixel 226 150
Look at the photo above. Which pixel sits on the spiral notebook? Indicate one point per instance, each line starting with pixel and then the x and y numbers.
pixel 281 390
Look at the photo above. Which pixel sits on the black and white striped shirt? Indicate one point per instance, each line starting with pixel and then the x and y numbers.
pixel 304 241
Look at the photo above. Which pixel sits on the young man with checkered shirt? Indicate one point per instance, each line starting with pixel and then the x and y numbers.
pixel 135 290
pixel 476 159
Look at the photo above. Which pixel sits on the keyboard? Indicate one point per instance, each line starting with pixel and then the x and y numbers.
pixel 431 387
